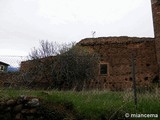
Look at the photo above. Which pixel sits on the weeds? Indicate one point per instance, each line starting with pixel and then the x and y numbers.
pixel 95 104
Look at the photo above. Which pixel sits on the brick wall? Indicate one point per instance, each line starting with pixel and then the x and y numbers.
pixel 118 56
pixel 9 79
pixel 156 18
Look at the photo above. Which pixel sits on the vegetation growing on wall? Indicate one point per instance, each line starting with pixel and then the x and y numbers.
pixel 69 68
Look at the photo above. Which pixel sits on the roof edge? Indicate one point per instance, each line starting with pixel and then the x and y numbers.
pixel 4 63
pixel 114 40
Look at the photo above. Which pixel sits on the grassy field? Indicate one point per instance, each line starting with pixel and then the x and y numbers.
pixel 95 105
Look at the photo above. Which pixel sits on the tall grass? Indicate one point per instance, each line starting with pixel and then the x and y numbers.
pixel 95 104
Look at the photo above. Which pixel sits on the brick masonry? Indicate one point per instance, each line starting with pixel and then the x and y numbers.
pixel 156 18
pixel 118 56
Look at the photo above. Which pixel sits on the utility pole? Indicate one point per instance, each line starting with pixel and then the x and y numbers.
pixel 133 49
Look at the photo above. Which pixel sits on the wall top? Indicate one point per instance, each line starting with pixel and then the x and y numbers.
pixel 153 1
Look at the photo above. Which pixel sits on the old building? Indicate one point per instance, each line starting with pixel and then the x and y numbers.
pixel 115 67
pixel 3 66
pixel 156 20
pixel 117 55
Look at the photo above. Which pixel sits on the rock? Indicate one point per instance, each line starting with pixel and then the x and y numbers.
pixel 32 118
pixel 29 111
pixel 11 102
pixel 34 102
pixel 18 116
pixel 8 109
pixel 25 111
pixel 21 99
pixel 23 107
pixel 32 111
pixel 18 108
pixel 2 103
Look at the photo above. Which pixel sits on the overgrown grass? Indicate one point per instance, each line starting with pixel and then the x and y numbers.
pixel 95 104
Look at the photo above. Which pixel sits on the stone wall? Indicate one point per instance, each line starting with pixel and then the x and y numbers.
pixel 118 56
pixel 117 53
pixel 21 108
pixel 9 79
pixel 34 108
pixel 156 20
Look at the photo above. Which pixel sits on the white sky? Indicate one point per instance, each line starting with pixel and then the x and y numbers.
pixel 23 23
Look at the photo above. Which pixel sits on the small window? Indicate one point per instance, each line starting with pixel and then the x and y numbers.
pixel 103 69
pixel 1 68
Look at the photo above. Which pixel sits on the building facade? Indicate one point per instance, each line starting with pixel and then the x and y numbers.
pixel 115 67
pixel 117 55
pixel 3 66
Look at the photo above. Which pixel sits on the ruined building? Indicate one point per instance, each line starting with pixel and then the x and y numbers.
pixel 117 55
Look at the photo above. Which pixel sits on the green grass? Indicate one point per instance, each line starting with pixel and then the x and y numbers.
pixel 95 104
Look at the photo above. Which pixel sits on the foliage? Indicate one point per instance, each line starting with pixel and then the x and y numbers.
pixel 47 49
pixel 70 68
pixel 75 67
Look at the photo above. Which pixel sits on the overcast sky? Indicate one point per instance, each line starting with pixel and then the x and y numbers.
pixel 23 23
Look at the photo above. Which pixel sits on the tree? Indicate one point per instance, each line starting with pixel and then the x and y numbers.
pixel 46 49
pixel 64 66
pixel 76 67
